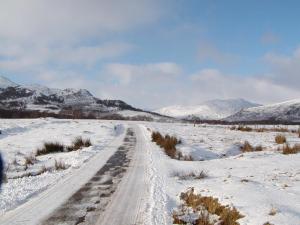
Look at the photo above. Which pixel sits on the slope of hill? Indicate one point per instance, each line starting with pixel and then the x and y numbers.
pixel 288 111
pixel 35 101
pixel 209 110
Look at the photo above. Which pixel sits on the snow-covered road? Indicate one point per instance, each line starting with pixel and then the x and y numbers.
pixel 39 207
pixel 128 205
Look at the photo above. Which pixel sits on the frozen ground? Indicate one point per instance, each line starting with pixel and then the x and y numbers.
pixel 255 183
pixel 21 138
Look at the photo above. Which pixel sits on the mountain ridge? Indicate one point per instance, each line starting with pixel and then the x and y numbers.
pixel 209 110
pixel 36 100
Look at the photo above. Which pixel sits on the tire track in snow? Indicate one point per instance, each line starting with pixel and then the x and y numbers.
pixel 90 201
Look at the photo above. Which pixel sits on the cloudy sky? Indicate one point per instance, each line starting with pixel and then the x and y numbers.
pixel 153 53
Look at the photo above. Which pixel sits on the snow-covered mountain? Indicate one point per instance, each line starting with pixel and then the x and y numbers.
pixel 36 100
pixel 209 110
pixel 288 111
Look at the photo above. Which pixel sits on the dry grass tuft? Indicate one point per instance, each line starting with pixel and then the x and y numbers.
pixel 50 147
pixel 287 149
pixel 262 129
pixel 280 139
pixel 205 206
pixel 247 147
pixel 192 175
pixel 29 160
pixel 60 165
pixel 168 143
pixel 273 211
pixel 79 143
pixel 55 147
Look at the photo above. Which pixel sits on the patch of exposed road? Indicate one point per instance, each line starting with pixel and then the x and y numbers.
pixel 89 202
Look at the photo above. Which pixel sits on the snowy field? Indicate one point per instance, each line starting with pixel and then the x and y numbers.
pixel 258 184
pixel 21 139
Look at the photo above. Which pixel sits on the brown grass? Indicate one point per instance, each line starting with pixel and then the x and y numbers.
pixel 168 143
pixel 262 129
pixel 227 215
pixel 60 165
pixel 280 139
pixel 55 147
pixel 191 175
pixel 79 143
pixel 50 147
pixel 29 160
pixel 247 147
pixel 287 149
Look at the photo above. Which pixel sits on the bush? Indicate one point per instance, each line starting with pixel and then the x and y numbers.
pixel 50 147
pixel 280 139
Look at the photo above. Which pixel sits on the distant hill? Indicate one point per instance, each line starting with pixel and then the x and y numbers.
pixel 209 110
pixel 288 111
pixel 18 101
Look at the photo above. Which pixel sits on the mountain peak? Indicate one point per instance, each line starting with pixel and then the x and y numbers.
pixel 213 109
pixel 5 82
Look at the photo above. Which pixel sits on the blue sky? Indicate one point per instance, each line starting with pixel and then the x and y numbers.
pixel 154 53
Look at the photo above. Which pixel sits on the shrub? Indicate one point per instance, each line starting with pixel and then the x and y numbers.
pixel 50 147
pixel 286 149
pixel 280 139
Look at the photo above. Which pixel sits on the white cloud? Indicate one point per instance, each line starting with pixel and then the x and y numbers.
pixel 285 70
pixel 158 72
pixel 42 20
pixel 214 84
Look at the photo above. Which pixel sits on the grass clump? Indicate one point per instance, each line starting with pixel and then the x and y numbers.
pixel 205 206
pixel 247 147
pixel 29 160
pixel 280 139
pixel 287 149
pixel 60 165
pixel 192 175
pixel 168 143
pixel 55 147
pixel 50 147
pixel 79 143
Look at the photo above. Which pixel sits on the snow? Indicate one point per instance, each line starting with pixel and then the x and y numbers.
pixel 255 182
pixel 21 138
pixel 252 182
pixel 214 109
pixel 286 111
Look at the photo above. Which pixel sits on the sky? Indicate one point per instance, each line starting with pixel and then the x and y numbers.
pixel 155 53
